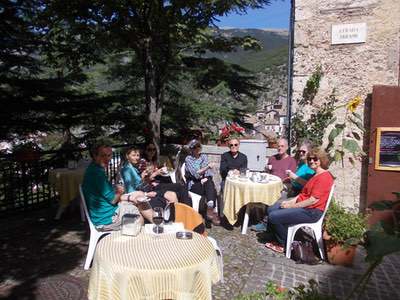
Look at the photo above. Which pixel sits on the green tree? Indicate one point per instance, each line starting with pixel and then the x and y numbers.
pixel 166 37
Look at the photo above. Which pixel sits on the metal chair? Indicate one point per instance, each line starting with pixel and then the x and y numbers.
pixel 316 228
pixel 95 234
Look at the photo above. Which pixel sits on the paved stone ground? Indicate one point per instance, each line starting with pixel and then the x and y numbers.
pixel 43 259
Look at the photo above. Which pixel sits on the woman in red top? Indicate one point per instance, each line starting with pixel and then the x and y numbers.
pixel 307 207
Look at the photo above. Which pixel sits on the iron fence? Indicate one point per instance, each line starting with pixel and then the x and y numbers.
pixel 24 185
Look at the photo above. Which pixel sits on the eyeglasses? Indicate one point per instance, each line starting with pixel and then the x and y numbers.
pixel 301 151
pixel 233 145
pixel 314 159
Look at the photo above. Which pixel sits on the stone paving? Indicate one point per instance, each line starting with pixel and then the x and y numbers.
pixel 37 251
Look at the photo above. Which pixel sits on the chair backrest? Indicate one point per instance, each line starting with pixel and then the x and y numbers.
pixel 183 172
pixel 328 201
pixel 83 203
pixel 190 218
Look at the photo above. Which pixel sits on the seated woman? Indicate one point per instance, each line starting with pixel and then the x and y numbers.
pixel 303 171
pixel 160 194
pixel 150 163
pixel 199 178
pixel 307 207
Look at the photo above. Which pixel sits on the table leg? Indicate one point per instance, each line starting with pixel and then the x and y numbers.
pixel 60 210
pixel 246 219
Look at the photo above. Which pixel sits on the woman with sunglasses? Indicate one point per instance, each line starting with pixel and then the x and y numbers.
pixel 303 172
pixel 307 207
pixel 198 172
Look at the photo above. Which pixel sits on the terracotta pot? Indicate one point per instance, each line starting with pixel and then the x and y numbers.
pixel 340 255
pixel 337 253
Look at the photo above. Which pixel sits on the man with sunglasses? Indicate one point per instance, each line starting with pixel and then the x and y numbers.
pixel 232 160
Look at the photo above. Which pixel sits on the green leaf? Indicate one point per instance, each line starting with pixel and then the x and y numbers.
pixel 379 243
pixel 384 205
pixel 358 123
pixel 333 120
pixel 338 155
pixel 351 145
pixel 334 133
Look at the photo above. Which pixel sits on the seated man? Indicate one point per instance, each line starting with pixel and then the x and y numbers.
pixel 106 206
pixel 280 164
pixel 282 161
pixel 232 160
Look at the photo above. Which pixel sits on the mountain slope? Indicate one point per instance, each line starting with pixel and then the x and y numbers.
pixel 274 49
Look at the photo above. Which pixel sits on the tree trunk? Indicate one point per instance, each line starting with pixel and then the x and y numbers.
pixel 154 97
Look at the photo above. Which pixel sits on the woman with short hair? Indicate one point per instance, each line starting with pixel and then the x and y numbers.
pixel 198 172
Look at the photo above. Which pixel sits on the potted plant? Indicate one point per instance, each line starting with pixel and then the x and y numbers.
pixel 230 130
pixel 344 230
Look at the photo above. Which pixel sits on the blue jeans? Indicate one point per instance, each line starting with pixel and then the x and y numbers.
pixel 281 218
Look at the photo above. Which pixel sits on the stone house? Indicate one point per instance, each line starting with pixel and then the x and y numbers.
pixel 357 45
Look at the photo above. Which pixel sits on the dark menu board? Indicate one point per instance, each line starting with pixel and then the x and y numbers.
pixel 389 149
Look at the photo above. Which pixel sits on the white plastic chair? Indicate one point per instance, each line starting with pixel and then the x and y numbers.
pixel 95 234
pixel 219 253
pixel 316 228
pixel 195 197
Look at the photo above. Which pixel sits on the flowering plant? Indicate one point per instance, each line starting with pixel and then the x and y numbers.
pixel 230 130
pixel 349 131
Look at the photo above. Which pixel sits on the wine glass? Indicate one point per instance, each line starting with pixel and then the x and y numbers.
pixel 158 219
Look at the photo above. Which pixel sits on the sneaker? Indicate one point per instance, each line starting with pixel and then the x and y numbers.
pixel 260 227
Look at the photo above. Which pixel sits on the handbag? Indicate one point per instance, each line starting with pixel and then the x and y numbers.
pixel 303 253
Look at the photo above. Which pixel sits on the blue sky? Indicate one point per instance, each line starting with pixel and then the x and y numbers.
pixel 276 16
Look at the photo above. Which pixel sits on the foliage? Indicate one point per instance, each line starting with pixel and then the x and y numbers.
pixel 312 86
pixel 349 131
pixel 231 130
pixel 273 291
pixel 313 128
pixel 344 227
pixel 345 135
pixel 168 38
pixel 381 240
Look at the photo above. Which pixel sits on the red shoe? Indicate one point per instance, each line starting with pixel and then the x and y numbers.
pixel 275 247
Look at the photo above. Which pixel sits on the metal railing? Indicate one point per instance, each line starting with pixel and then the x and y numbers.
pixel 24 185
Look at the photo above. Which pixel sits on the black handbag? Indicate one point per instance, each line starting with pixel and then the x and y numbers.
pixel 303 253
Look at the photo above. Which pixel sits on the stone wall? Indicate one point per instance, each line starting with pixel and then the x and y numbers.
pixel 352 69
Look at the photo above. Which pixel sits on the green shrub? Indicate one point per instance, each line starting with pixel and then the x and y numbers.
pixel 343 226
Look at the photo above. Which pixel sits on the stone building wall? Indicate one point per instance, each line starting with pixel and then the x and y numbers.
pixel 352 69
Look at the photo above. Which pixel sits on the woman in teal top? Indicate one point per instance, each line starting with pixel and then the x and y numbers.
pixel 129 172
pixel 303 171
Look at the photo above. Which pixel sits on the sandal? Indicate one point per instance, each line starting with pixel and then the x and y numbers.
pixel 275 247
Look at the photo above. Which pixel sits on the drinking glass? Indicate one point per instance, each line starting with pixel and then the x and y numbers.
pixel 158 219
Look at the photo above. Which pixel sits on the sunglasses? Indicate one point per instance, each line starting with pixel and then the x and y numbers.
pixel 301 151
pixel 233 145
pixel 315 159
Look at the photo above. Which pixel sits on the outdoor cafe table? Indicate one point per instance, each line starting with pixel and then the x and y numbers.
pixel 152 266
pixel 66 182
pixel 242 191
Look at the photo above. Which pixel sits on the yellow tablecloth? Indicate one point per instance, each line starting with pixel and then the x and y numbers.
pixel 153 267
pixel 239 192
pixel 66 183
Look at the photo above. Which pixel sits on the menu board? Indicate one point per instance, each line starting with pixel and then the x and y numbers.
pixel 388 149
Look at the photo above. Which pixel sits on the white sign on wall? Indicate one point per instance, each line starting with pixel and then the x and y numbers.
pixel 349 33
